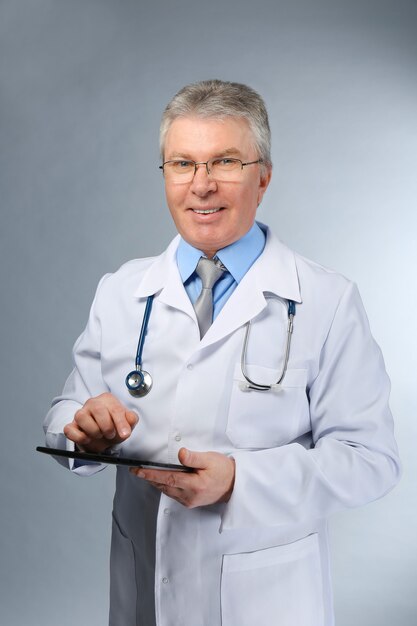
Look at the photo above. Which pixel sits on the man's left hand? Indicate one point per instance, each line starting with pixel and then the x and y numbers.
pixel 212 480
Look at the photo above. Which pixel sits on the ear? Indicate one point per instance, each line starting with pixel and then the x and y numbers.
pixel 265 179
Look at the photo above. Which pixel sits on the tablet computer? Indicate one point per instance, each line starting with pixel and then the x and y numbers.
pixel 113 459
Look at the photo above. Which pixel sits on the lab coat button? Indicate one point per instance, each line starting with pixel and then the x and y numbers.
pixel 165 580
pixel 178 437
pixel 190 366
pixel 167 511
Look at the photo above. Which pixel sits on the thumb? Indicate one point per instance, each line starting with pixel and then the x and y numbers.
pixel 197 460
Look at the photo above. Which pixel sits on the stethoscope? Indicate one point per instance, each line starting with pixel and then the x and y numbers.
pixel 139 382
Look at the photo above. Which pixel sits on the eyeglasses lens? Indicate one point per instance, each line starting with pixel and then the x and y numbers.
pixel 219 169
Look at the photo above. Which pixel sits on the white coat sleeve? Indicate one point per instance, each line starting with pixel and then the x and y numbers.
pixel 84 382
pixel 354 457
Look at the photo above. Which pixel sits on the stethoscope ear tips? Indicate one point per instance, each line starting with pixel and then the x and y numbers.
pixel 139 383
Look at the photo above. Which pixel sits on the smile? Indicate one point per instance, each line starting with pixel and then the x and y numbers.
pixel 206 211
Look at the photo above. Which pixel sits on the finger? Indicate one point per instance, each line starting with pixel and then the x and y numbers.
pixel 162 477
pixel 110 416
pixel 87 424
pixel 96 421
pixel 73 433
pixel 183 496
pixel 167 489
pixel 137 471
pixel 121 422
pixel 172 492
pixel 133 418
pixel 114 421
pixel 102 416
pixel 197 460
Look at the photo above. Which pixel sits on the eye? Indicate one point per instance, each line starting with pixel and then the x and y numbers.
pixel 183 165
pixel 225 163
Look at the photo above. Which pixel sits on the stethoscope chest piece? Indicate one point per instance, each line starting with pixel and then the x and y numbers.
pixel 139 383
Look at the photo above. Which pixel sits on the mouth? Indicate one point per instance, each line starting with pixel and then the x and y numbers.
pixel 207 211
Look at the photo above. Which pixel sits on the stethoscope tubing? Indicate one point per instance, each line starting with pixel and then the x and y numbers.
pixel 143 331
pixel 139 382
pixel 257 386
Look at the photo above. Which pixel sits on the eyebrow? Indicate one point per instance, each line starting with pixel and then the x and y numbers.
pixel 187 157
pixel 180 155
pixel 229 152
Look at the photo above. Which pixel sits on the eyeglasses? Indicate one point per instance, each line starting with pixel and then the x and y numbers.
pixel 220 169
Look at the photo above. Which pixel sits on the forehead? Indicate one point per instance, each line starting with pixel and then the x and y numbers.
pixel 200 138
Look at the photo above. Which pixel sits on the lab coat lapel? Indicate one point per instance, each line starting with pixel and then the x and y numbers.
pixel 275 271
pixel 163 278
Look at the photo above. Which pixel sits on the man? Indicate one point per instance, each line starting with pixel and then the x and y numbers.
pixel 279 438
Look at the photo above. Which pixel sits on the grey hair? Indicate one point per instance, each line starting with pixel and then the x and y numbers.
pixel 219 99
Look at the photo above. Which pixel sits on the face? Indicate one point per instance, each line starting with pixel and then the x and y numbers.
pixel 208 214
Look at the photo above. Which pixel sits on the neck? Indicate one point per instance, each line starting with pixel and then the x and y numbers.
pixel 210 253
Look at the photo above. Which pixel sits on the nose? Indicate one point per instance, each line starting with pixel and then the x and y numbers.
pixel 202 183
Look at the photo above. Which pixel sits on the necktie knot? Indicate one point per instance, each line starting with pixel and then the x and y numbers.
pixel 209 271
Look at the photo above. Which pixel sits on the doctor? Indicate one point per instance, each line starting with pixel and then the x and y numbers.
pixel 242 540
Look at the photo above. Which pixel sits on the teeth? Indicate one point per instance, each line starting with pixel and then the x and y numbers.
pixel 206 211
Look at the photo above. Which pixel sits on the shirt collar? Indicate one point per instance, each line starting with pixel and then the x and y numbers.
pixel 275 271
pixel 237 257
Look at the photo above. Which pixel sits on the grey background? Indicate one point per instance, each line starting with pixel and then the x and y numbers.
pixel 83 84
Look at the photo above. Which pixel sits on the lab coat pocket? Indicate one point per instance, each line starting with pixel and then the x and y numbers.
pixel 123 586
pixel 279 585
pixel 266 419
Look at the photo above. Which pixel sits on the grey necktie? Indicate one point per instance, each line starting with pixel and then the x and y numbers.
pixel 209 271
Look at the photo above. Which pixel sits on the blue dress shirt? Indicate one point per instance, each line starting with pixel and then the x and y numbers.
pixel 238 258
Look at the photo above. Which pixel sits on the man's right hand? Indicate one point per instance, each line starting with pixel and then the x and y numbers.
pixel 102 422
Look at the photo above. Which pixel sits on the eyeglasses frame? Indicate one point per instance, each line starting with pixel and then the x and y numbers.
pixel 196 163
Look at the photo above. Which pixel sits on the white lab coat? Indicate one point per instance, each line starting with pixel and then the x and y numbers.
pixel 324 443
